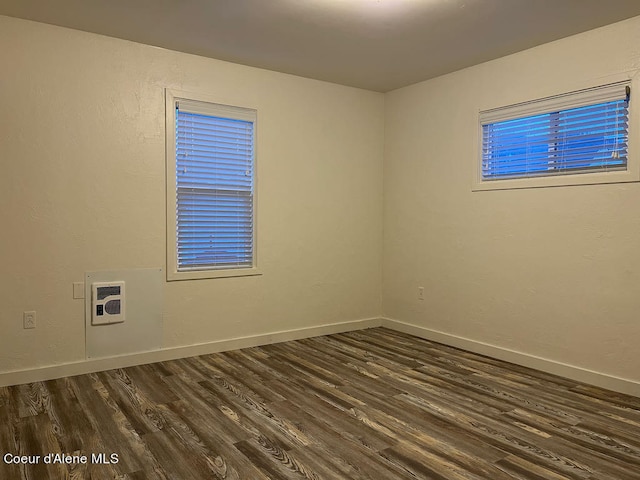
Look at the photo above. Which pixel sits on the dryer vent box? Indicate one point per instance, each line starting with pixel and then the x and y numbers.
pixel 108 302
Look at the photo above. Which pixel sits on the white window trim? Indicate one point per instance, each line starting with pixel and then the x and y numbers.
pixel 172 258
pixel 632 174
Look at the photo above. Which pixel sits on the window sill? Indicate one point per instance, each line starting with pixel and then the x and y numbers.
pixel 210 274
pixel 559 180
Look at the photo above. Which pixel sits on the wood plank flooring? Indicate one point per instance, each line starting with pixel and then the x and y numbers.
pixel 373 404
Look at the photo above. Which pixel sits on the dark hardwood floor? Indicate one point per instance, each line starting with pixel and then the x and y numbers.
pixel 372 404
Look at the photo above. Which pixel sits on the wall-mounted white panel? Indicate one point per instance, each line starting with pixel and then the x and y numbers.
pixel 142 330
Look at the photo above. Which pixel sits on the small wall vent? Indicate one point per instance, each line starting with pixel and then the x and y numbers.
pixel 108 302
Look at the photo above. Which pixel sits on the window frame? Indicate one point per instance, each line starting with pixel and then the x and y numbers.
pixel 631 174
pixel 173 273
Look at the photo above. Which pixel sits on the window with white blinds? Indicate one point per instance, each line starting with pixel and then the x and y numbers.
pixel 576 133
pixel 214 187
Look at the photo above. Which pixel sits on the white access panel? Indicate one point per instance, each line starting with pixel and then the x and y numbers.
pixel 142 329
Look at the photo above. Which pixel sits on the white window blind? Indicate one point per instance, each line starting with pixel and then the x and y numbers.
pixel 580 132
pixel 214 186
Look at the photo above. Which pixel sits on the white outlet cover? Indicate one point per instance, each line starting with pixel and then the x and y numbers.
pixel 29 319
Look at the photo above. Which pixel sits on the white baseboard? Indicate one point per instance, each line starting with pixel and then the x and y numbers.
pixel 617 384
pixel 622 385
pixel 122 361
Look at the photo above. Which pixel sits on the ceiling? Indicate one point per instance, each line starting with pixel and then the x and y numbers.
pixel 378 45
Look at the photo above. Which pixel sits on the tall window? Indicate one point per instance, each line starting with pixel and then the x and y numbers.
pixel 581 132
pixel 211 195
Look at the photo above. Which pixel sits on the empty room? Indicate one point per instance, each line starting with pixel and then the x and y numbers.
pixel 320 239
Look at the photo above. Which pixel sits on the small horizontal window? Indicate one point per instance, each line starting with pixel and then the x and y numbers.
pixel 582 132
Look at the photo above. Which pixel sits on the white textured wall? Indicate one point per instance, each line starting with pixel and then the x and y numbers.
pixel 82 188
pixel 550 272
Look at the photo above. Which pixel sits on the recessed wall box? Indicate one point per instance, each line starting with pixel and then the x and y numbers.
pixel 108 302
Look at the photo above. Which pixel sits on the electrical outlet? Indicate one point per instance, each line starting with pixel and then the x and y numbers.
pixel 420 293
pixel 29 319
